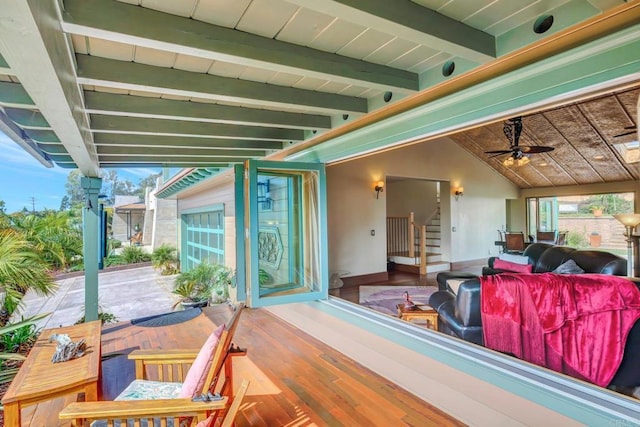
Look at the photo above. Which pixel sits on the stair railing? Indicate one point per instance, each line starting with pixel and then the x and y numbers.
pixel 406 238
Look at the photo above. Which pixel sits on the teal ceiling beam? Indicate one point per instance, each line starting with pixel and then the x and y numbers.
pixel 152 141
pixel 14 95
pixel 61 158
pixel 17 135
pixel 42 135
pixel 53 148
pixel 140 106
pixel 67 165
pixel 27 118
pixel 140 26
pixel 410 21
pixel 178 152
pixel 172 160
pixel 93 70
pixel 133 125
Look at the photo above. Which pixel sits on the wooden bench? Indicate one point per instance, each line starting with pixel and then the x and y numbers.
pixel 39 379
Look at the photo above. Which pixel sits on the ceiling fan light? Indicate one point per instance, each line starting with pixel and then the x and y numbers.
pixel 523 161
pixel 508 161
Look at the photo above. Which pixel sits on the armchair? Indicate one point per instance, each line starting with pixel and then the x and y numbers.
pixel 164 388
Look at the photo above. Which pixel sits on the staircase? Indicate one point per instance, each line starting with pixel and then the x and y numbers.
pixel 413 261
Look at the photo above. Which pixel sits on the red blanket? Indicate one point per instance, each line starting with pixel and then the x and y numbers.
pixel 576 324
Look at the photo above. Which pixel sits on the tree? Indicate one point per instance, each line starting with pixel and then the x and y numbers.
pixel 21 268
pixel 3 207
pixel 73 187
pixel 149 181
pixel 65 204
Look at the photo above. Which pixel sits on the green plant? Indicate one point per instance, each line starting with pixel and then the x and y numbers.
pixel 264 278
pixel 576 239
pixel 115 243
pixel 103 317
pixel 134 255
pixel 10 359
pixel 165 259
pixel 14 340
pixel 21 268
pixel 204 281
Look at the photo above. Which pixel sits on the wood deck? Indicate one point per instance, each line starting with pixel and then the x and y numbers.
pixel 295 379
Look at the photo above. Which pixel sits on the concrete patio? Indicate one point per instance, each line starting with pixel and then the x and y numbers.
pixel 128 294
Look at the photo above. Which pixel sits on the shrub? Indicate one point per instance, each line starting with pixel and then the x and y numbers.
pixel 115 243
pixel 165 258
pixel 204 281
pixel 134 255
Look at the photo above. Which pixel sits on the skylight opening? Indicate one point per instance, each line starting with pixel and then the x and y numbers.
pixel 630 151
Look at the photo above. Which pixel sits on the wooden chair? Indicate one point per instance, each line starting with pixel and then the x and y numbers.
pixel 168 368
pixel 546 236
pixel 514 242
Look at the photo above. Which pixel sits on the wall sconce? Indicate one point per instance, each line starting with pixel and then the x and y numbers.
pixel 379 187
pixel 459 192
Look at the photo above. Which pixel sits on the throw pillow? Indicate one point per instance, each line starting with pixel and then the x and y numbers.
pixel 197 374
pixel 512 266
pixel 568 267
pixel 518 259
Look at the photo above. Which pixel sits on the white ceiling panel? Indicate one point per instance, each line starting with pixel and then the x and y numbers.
pixel 158 58
pixel 257 74
pixel 226 69
pixel 225 13
pixel 180 8
pixel 365 44
pixel 309 83
pixel 391 51
pixel 336 36
pixel 266 17
pixel 305 26
pixel 462 9
pixel 333 87
pixel 284 79
pixel 414 57
pixel 192 63
pixel 433 61
pixel 353 90
pixel 111 50
pixel 431 4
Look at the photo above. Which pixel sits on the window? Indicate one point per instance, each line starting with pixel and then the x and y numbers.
pixel 287 232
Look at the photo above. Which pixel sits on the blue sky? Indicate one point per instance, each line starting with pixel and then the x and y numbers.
pixel 22 177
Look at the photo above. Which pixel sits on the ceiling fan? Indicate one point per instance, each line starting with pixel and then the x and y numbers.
pixel 518 154
pixel 630 129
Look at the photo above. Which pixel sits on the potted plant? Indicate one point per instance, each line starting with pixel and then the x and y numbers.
pixel 203 283
pixel 597 210
pixel 595 239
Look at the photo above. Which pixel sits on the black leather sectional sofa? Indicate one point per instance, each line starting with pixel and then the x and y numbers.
pixel 459 314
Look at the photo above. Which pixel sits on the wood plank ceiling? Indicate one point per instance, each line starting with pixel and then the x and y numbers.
pixel 584 136
pixel 208 83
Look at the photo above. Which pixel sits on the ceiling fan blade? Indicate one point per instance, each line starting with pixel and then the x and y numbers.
pixel 498 152
pixel 533 149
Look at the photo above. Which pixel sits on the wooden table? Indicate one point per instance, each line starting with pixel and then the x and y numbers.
pixel 40 379
pixel 421 311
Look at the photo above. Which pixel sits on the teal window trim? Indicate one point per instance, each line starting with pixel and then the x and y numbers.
pixel 266 166
pixel 203 209
pixel 241 260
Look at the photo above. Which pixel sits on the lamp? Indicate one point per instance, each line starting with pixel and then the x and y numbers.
pixel 459 192
pixel 630 221
pixel 379 187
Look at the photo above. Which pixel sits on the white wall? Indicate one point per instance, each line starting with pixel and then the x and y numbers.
pixel 412 195
pixel 353 209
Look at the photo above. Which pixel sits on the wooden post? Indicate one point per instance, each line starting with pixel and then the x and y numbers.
pixel 423 250
pixel 412 236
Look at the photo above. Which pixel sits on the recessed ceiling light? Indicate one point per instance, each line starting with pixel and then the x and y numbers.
pixel 598 157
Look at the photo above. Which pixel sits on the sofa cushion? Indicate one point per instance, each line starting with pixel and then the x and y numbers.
pixel 552 258
pixel 569 267
pixel 512 266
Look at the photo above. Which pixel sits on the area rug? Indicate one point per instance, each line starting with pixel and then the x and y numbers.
pixel 383 298
pixel 168 318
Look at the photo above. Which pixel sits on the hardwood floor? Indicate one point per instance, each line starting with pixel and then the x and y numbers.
pixel 295 379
